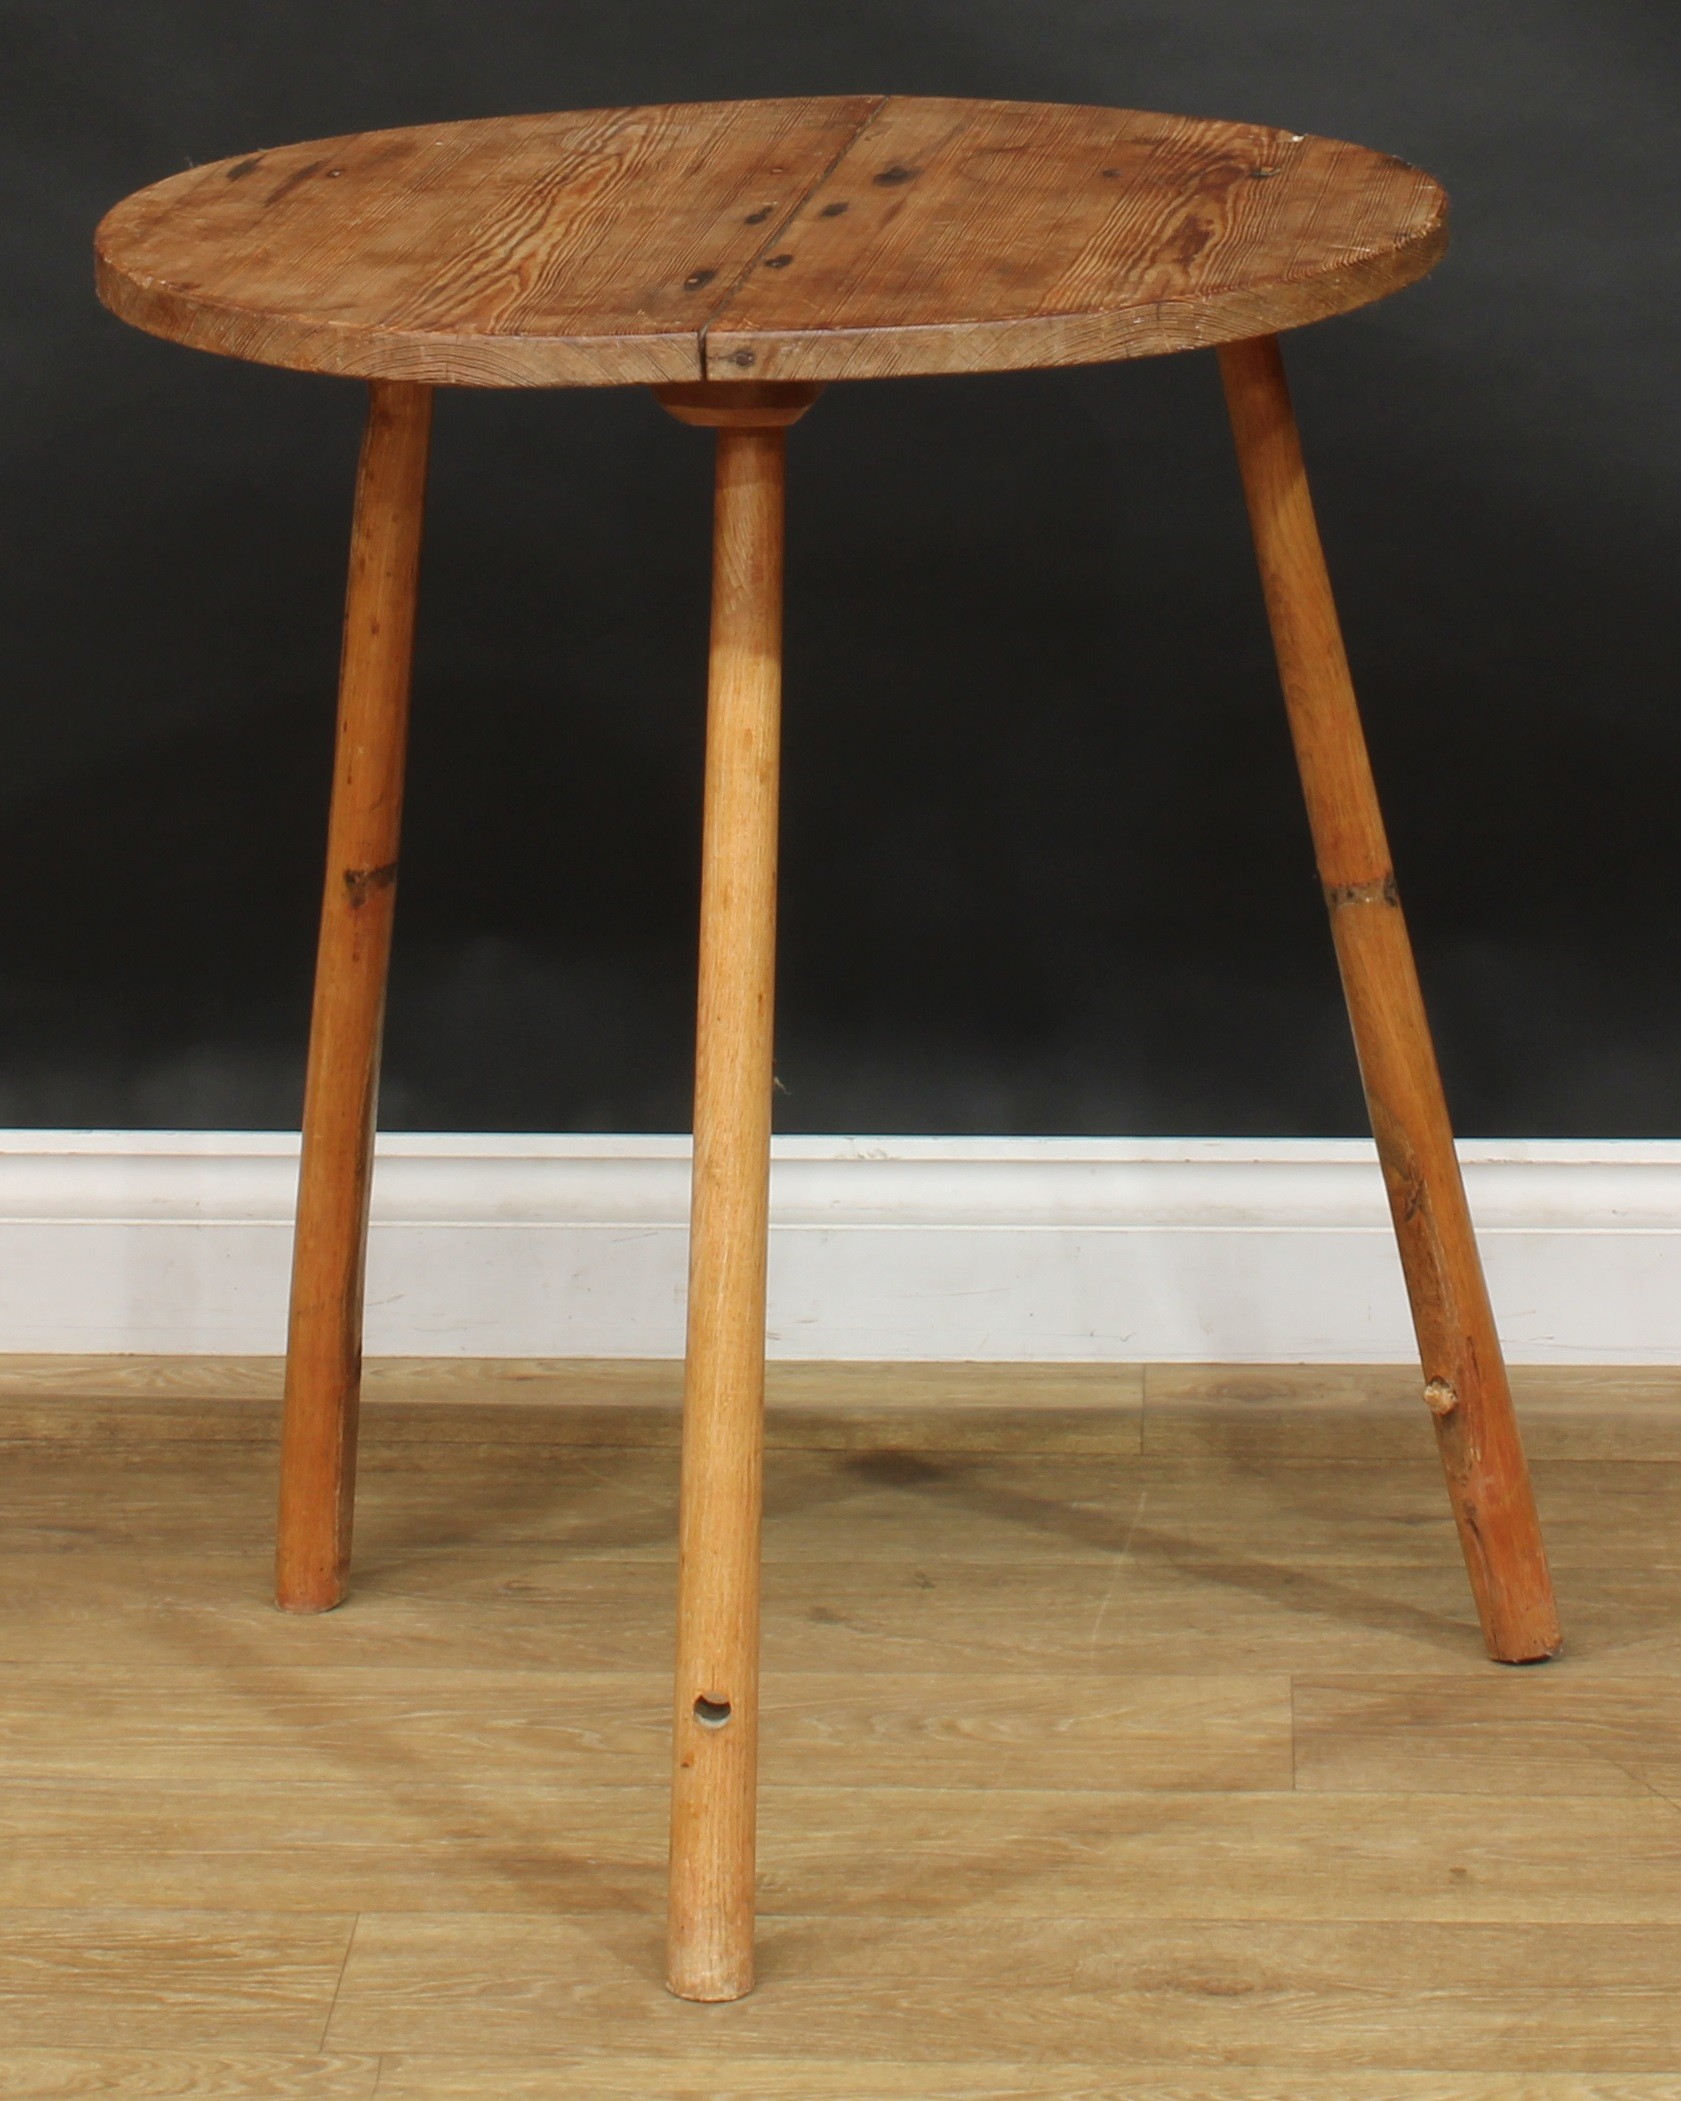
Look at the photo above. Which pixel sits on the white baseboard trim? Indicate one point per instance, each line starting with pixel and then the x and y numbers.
pixel 1167 1250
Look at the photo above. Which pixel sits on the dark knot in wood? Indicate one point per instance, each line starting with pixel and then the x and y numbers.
pixel 361 883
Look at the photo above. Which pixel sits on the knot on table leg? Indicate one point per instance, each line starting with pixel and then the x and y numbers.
pixel 361 883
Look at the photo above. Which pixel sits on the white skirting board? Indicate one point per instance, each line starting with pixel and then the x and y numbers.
pixel 1113 1249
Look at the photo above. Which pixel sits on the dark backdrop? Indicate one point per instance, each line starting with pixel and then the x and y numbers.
pixel 1046 869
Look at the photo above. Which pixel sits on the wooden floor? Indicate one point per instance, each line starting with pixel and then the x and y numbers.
pixel 1128 1734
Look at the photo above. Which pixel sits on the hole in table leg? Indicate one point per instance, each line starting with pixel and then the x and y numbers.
pixel 711 1714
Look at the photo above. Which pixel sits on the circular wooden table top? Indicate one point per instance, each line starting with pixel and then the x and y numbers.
pixel 847 237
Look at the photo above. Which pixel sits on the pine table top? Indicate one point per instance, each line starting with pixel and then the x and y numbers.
pixel 842 237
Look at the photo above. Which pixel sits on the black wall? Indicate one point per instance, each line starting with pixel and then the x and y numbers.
pixel 1046 869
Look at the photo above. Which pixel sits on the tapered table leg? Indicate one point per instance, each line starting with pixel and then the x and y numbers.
pixel 1465 1376
pixel 324 1345
pixel 716 1722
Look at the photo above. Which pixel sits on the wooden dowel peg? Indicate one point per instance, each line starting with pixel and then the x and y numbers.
pixel 324 1343
pixel 1466 1387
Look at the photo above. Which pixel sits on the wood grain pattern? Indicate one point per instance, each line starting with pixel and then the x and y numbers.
pixel 844 237
pixel 1126 1779
pixel 579 249
pixel 1465 1384
pixel 991 236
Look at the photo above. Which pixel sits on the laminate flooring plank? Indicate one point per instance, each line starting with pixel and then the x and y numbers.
pixel 473 1609
pixel 36 1378
pixel 1581 1402
pixel 452 1843
pixel 892 1503
pixel 423 1409
pixel 470 1607
pixel 183 2075
pixel 144 1429
pixel 1296 1858
pixel 405 2077
pixel 1280 1415
pixel 886 1503
pixel 1285 1414
pixel 1030 1507
pixel 406 1728
pixel 160 1979
pixel 1552 1732
pixel 1361 1996
pixel 1131 1615
pixel 447 1841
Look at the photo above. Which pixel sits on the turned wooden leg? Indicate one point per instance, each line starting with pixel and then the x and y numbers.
pixel 324 1344
pixel 716 1725
pixel 1465 1376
